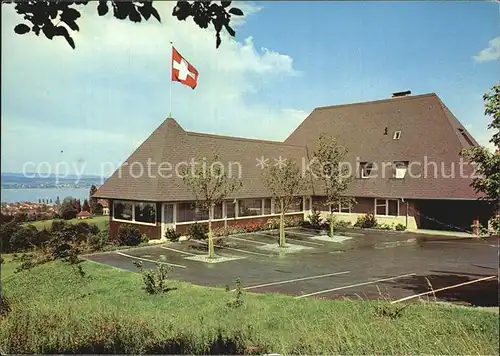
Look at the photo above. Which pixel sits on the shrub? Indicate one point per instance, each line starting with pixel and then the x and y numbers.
pixel 400 227
pixel 155 282
pixel 97 209
pixel 172 235
pixel 385 226
pixel 315 218
pixel 366 221
pixel 67 212
pixel 129 235
pixel 6 231
pixel 24 238
pixel 98 241
pixel 198 231
pixel 341 224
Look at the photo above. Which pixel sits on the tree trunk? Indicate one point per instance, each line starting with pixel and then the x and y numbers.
pixel 282 226
pixel 211 247
pixel 332 219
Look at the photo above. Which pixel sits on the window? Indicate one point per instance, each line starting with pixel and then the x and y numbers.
pixel 140 212
pixel 342 208
pixel 169 213
pixel 249 207
pixel 122 210
pixel 293 207
pixel 387 207
pixel 366 169
pixel 218 211
pixel 397 135
pixel 185 212
pixel 230 209
pixel 267 206
pixel 201 213
pixel 400 168
pixel 145 212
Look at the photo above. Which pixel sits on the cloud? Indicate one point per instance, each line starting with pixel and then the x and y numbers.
pixel 104 98
pixel 491 53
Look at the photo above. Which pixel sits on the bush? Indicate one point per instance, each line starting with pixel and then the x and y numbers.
pixel 315 218
pixel 198 231
pixel 172 235
pixel 155 282
pixel 97 209
pixel 366 221
pixel 129 235
pixel 24 239
pixel 67 212
pixel 400 227
pixel 98 241
pixel 6 232
pixel 385 226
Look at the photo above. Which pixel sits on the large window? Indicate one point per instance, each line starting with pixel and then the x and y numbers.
pixel 145 212
pixel 341 208
pixel 267 206
pixel 294 206
pixel 218 211
pixel 185 212
pixel 387 207
pixel 140 212
pixel 249 207
pixel 230 209
pixel 122 210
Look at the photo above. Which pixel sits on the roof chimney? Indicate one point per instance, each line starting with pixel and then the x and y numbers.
pixel 400 94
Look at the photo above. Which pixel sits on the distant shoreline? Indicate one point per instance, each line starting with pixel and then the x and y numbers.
pixel 40 188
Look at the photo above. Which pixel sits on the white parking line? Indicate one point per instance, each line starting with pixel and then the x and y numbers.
pixel 348 232
pixel 354 285
pixel 295 280
pixel 148 260
pixel 178 251
pixel 441 289
pixel 236 249
pixel 290 239
pixel 240 239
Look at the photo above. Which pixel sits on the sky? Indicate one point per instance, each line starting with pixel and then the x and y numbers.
pixel 93 106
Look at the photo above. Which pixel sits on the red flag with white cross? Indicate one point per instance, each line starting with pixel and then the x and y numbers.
pixel 182 71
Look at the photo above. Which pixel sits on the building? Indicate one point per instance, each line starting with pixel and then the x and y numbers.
pixel 404 154
pixel 83 215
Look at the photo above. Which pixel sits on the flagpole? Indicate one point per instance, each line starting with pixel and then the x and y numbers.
pixel 171 60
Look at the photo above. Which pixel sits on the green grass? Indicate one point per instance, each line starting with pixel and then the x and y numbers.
pixel 100 221
pixel 56 311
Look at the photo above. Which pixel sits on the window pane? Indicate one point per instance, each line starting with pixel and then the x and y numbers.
pixel 345 208
pixel 201 213
pixel 145 212
pixel 393 207
pixel 230 211
pixel 185 212
pixel 122 211
pixel 267 206
pixel 169 213
pixel 249 207
pixel 380 210
pixel 319 203
pixel 296 205
pixel 218 211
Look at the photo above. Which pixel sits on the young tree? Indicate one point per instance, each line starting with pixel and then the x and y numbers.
pixel 54 18
pixel 328 170
pixel 487 162
pixel 210 185
pixel 92 200
pixel 57 202
pixel 286 183
pixel 86 206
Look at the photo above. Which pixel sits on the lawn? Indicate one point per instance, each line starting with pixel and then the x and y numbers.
pixel 100 221
pixel 55 310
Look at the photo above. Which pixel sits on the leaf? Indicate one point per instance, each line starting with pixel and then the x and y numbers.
pixel 49 31
pixel 145 10
pixel 120 11
pixel 62 31
pixel 134 15
pixel 21 29
pixel 72 25
pixel 230 30
pixel 155 14
pixel 236 11
pixel 102 8
pixel 218 41
pixel 225 3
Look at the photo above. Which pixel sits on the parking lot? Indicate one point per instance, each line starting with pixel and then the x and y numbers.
pixel 355 264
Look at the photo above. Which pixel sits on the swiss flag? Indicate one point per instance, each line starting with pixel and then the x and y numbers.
pixel 183 71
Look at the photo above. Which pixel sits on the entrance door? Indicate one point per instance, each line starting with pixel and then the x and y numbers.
pixel 167 218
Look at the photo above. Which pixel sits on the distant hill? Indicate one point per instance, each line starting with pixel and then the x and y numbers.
pixel 32 180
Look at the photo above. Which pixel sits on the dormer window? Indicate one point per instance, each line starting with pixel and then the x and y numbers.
pixel 366 169
pixel 397 135
pixel 400 169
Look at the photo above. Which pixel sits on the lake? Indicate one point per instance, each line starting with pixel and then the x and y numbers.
pixel 32 195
